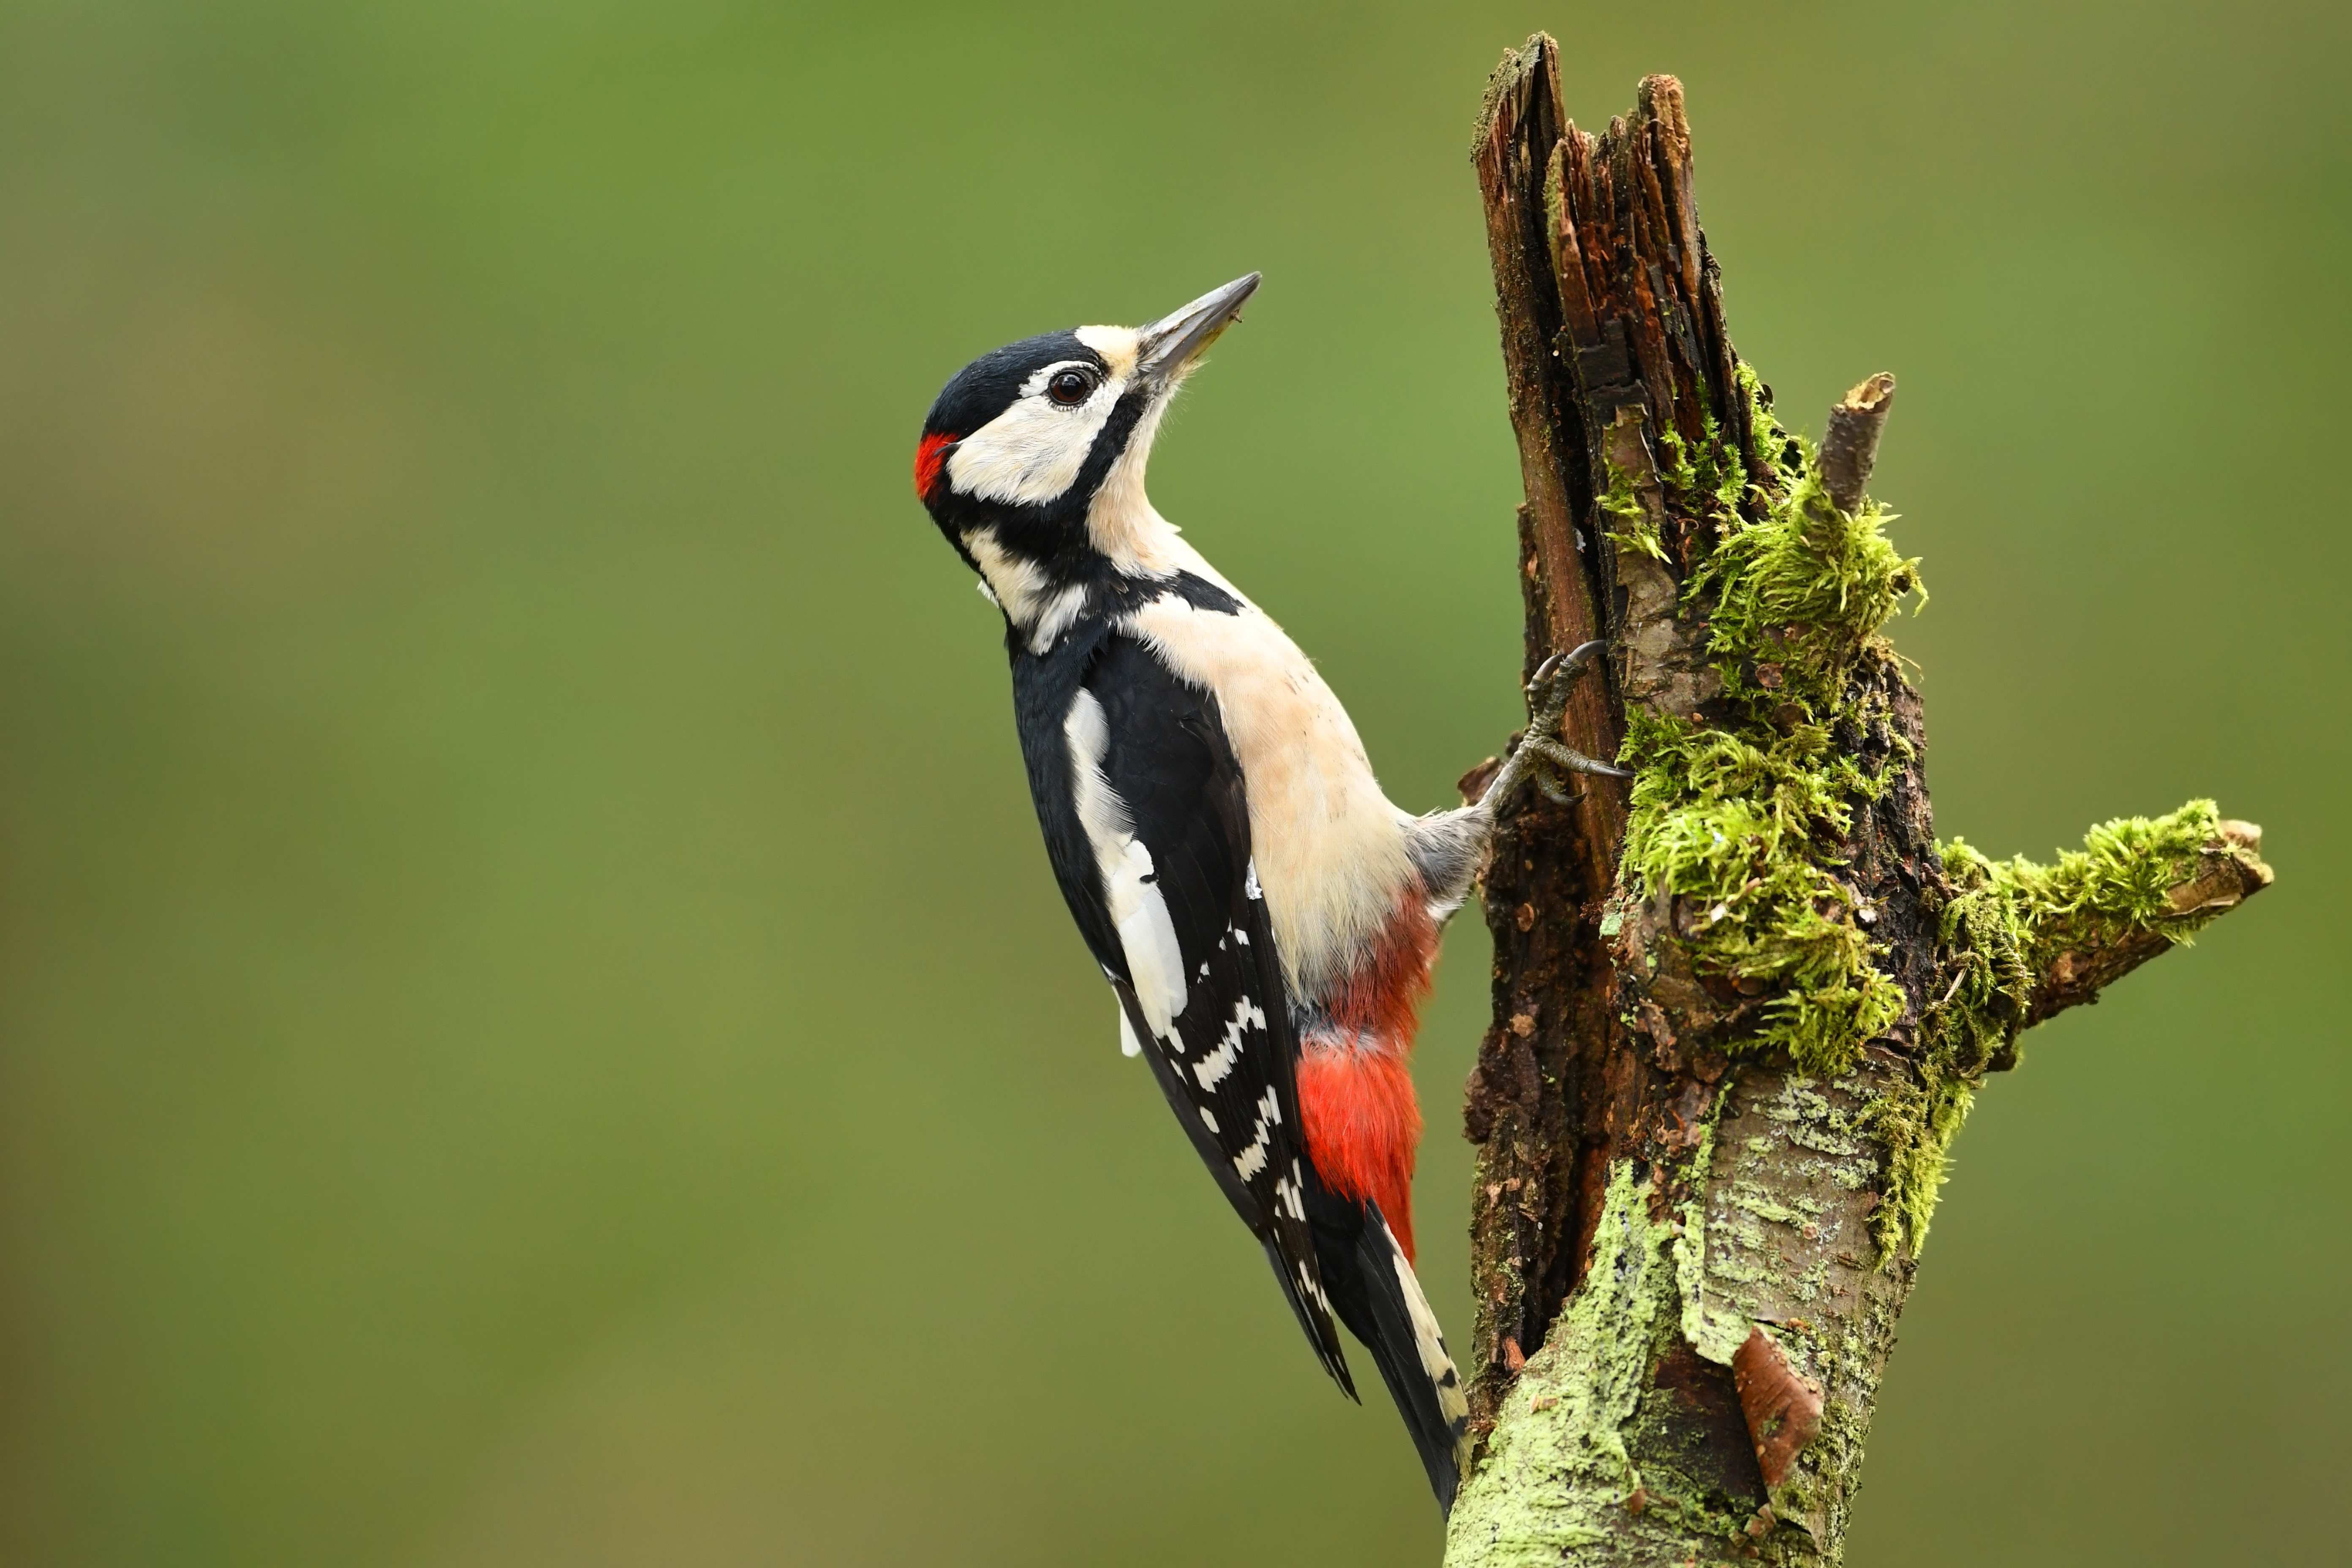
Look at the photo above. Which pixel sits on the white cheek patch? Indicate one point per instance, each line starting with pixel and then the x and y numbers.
pixel 1032 453
pixel 1146 932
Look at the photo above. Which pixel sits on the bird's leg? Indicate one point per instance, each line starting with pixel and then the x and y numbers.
pixel 1548 700
pixel 1449 847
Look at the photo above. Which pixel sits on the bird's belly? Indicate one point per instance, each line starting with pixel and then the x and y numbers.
pixel 1329 848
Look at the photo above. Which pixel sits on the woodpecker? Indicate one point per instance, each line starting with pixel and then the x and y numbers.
pixel 1266 918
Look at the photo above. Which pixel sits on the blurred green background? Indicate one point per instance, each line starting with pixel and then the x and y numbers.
pixel 534 1028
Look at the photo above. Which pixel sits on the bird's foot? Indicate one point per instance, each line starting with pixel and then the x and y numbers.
pixel 1542 753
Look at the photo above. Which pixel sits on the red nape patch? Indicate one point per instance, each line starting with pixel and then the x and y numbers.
pixel 929 453
pixel 1363 1125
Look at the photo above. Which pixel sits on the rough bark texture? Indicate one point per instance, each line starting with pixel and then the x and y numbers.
pixel 1740 1004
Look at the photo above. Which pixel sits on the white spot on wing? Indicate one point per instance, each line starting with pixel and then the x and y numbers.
pixel 1211 1068
pixel 1129 1046
pixel 1313 1287
pixel 1286 1195
pixel 1251 1160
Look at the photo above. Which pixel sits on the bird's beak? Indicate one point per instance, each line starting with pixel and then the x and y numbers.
pixel 1169 345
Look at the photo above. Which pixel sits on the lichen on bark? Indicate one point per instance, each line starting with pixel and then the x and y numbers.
pixel 1742 1006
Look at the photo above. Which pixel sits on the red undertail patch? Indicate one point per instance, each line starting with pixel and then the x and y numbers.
pixel 929 454
pixel 1355 1095
pixel 1383 996
pixel 1363 1125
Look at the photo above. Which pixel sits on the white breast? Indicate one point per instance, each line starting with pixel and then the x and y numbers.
pixel 1329 849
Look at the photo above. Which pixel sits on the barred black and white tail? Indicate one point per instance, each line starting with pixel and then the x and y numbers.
pixel 1376 1294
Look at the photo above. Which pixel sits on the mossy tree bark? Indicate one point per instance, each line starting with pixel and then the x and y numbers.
pixel 1741 1003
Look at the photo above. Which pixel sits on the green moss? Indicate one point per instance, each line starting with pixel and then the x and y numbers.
pixel 1713 481
pixel 1735 823
pixel 1766 441
pixel 1916 1125
pixel 2116 884
pixel 1740 815
pixel 1807 587
pixel 1636 529
pixel 2007 923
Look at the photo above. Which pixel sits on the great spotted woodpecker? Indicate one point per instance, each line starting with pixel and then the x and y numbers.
pixel 1267 918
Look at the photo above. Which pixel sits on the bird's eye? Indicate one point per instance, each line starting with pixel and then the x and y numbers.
pixel 1070 387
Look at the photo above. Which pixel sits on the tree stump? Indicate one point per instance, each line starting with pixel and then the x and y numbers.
pixel 1742 1003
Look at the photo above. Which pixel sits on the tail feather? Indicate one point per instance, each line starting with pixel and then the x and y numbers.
pixel 1315 1324
pixel 1376 1295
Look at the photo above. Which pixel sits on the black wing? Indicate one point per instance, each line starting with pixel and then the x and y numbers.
pixel 1228 1060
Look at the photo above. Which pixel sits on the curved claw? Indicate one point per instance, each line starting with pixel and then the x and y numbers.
pixel 1582 654
pixel 1547 692
pixel 1555 675
pixel 1560 754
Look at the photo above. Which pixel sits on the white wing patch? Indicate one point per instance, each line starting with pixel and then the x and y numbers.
pixel 1147 933
pixel 1129 1046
